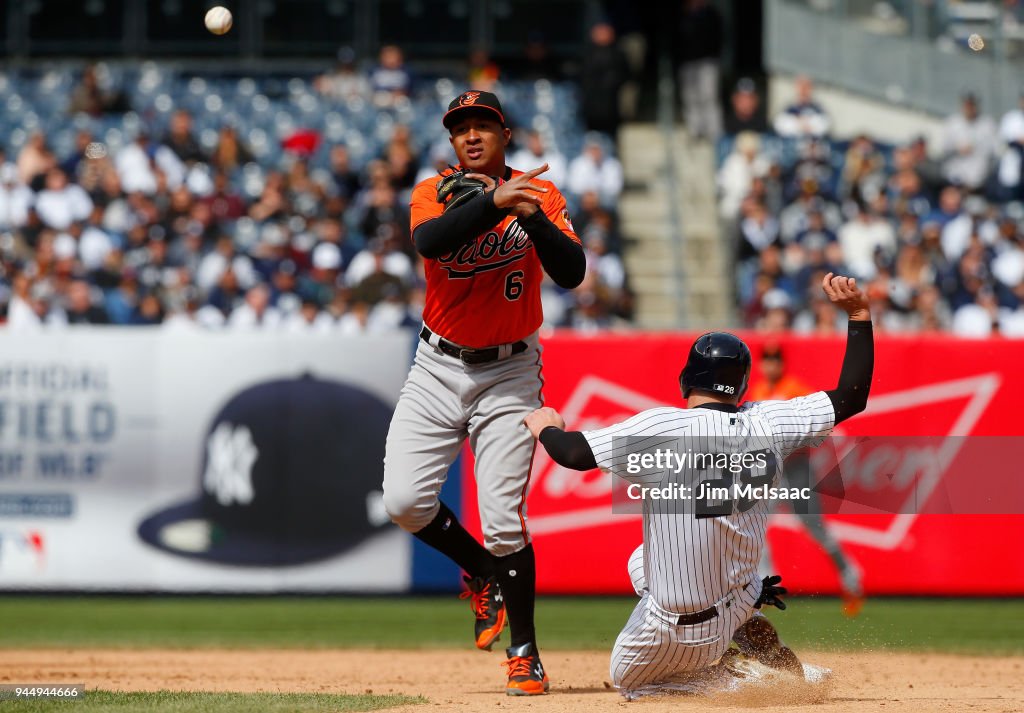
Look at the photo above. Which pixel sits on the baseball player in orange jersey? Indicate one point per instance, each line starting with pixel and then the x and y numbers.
pixel 477 372
pixel 778 385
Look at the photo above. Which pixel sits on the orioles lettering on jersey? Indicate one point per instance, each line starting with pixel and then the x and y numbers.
pixel 470 259
pixel 486 292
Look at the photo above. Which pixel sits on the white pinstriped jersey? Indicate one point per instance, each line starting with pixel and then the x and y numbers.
pixel 693 562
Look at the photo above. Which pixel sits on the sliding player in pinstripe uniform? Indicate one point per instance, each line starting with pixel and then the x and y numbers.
pixel 696 572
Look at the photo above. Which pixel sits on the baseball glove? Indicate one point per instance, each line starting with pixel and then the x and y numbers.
pixel 456 189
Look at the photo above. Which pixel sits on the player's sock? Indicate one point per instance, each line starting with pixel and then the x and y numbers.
pixel 517 577
pixel 447 535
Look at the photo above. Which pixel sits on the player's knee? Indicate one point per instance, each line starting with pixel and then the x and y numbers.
pixel 635 568
pixel 620 674
pixel 408 509
pixel 613 673
pixel 638 581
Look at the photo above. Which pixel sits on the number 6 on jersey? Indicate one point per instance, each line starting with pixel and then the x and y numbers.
pixel 513 285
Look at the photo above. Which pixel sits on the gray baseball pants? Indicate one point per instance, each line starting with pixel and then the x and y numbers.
pixel 445 401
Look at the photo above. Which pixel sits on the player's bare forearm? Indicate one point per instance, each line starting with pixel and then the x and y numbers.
pixel 850 396
pixel 567 448
pixel 541 418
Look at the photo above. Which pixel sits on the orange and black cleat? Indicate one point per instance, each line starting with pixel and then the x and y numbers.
pixel 526 676
pixel 852 604
pixel 851 589
pixel 488 607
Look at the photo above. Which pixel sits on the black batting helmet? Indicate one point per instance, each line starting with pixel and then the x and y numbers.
pixel 718 362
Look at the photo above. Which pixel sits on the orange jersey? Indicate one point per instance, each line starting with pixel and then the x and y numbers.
pixel 788 387
pixel 488 291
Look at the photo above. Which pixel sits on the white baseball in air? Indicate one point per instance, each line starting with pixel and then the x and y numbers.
pixel 975 42
pixel 218 20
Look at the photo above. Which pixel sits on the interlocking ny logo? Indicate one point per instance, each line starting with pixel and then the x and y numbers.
pixel 469 98
pixel 230 455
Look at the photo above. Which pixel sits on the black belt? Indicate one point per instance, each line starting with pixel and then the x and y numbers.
pixel 697 617
pixel 471 356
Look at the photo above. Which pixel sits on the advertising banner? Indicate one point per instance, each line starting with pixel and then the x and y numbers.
pixel 136 459
pixel 139 460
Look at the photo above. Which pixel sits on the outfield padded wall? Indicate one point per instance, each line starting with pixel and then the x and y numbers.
pixel 102 430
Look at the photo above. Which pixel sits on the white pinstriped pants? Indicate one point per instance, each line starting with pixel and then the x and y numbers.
pixel 654 654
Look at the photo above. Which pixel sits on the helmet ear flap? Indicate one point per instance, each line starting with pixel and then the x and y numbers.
pixel 743 387
pixel 683 387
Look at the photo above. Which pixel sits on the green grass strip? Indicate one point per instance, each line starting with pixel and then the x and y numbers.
pixel 959 626
pixel 993 626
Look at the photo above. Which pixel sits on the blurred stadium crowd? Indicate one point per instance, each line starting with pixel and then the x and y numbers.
pixel 936 233
pixel 141 196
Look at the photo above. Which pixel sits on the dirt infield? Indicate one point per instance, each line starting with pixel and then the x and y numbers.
pixel 472 681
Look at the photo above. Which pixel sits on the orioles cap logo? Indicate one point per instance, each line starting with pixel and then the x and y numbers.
pixel 469 98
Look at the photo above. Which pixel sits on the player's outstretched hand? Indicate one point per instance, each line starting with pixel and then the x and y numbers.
pixel 518 190
pixel 542 418
pixel 845 294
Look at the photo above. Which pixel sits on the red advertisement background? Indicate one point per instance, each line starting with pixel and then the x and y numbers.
pixel 922 386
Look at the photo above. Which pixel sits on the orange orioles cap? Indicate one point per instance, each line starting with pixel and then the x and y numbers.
pixel 472 101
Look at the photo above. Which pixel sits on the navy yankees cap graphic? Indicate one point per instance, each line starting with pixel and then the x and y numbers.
pixel 472 101
pixel 291 473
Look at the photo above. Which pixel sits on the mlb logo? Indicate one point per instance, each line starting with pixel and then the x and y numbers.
pixel 22 552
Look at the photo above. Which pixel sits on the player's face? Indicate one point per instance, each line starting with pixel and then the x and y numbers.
pixel 479 142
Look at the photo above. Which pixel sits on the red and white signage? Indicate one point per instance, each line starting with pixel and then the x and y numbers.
pixel 925 386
